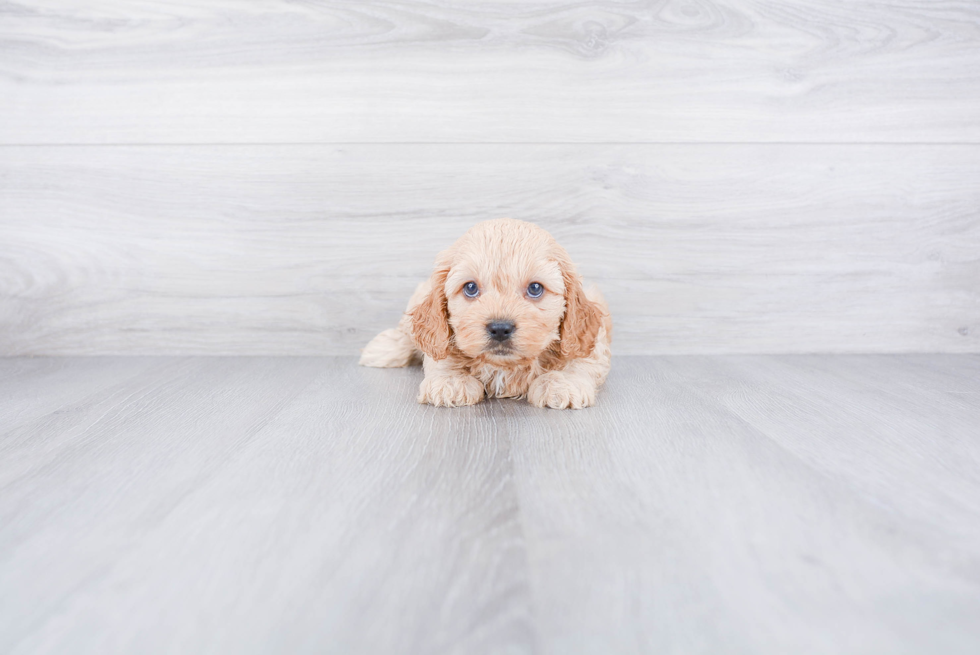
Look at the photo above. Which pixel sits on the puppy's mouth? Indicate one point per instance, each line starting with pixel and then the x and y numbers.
pixel 500 350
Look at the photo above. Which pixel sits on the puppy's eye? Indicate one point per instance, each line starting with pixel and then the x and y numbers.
pixel 535 290
pixel 471 290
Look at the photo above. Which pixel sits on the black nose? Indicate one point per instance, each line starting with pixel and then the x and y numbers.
pixel 500 330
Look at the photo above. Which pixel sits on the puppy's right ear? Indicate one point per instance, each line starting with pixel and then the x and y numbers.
pixel 430 319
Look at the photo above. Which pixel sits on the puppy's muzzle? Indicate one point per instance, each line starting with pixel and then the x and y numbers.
pixel 501 331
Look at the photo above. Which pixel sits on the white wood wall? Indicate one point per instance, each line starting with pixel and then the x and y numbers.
pixel 242 177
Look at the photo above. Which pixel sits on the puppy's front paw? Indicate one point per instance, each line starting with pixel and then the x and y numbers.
pixel 451 390
pixel 560 391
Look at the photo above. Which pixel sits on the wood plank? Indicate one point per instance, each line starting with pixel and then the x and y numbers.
pixel 256 505
pixel 753 505
pixel 487 71
pixel 314 249
pixel 21 378
pixel 743 504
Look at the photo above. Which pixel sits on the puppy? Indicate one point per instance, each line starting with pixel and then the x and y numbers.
pixel 504 315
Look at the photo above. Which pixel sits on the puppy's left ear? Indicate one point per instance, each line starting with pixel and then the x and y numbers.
pixel 582 320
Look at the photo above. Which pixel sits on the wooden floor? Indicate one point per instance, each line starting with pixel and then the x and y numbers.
pixel 736 504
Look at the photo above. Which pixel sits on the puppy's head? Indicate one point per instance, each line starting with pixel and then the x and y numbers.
pixel 504 293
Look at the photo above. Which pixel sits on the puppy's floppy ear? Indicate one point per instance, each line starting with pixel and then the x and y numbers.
pixel 582 320
pixel 430 318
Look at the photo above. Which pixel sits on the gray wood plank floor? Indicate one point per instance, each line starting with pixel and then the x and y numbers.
pixel 729 504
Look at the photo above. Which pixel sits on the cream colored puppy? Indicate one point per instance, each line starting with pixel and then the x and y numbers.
pixel 504 315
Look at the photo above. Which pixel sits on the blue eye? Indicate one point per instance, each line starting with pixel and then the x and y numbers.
pixel 470 290
pixel 535 290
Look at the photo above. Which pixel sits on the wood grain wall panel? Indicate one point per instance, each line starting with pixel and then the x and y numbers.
pixel 303 249
pixel 225 71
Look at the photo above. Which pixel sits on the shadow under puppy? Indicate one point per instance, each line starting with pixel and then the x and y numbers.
pixel 504 315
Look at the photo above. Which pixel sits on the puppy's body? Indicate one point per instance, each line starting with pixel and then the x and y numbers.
pixel 504 315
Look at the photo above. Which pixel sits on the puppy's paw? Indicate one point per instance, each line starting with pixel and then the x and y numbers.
pixel 390 349
pixel 557 390
pixel 451 390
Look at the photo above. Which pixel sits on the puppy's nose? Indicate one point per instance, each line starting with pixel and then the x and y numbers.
pixel 500 330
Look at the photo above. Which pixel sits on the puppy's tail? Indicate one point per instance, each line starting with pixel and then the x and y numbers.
pixel 390 349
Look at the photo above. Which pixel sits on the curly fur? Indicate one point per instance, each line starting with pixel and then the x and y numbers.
pixel 559 353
